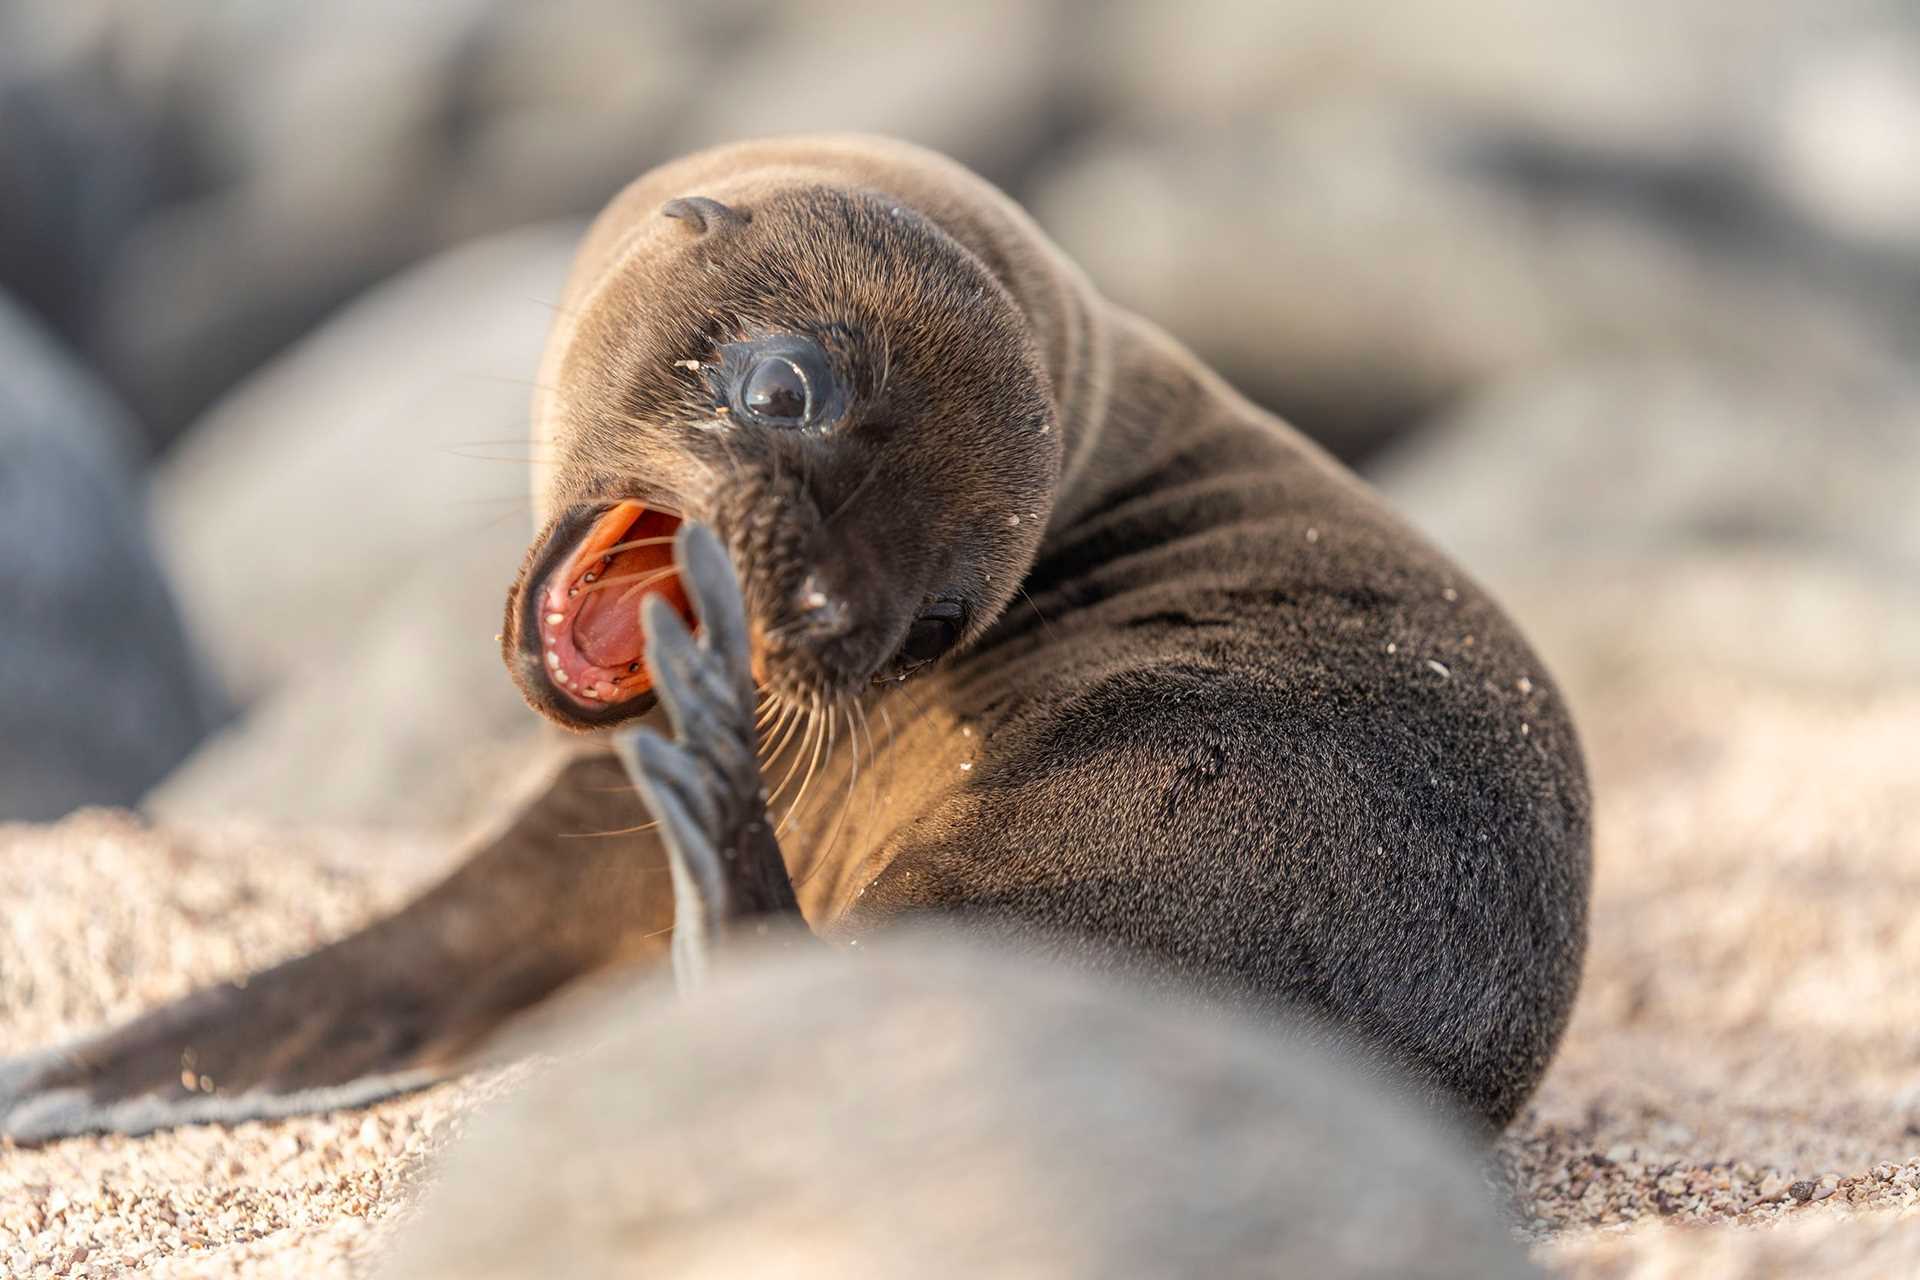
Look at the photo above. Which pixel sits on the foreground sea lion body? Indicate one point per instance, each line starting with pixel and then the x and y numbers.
pixel 1170 683
pixel 944 1110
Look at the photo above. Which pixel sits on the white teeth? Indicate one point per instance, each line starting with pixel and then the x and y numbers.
pixel 553 660
pixel 555 619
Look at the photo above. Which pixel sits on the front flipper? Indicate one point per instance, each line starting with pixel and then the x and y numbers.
pixel 395 1006
pixel 705 787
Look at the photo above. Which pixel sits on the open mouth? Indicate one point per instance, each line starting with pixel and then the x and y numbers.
pixel 589 621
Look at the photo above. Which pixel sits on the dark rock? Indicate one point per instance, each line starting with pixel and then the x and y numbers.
pixel 100 694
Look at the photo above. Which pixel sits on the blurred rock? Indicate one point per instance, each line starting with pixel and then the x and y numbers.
pixel 1775 617
pixel 1357 216
pixel 353 140
pixel 99 691
pixel 410 724
pixel 79 170
pixel 1646 75
pixel 1641 516
pixel 937 1109
pixel 1355 267
pixel 332 146
pixel 1843 139
pixel 344 528
pixel 1648 457
pixel 981 82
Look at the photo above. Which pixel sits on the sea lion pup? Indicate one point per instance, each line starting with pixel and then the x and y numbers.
pixel 1164 677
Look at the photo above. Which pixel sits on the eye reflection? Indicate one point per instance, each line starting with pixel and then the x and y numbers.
pixel 776 391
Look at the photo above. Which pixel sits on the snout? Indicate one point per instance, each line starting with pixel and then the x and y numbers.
pixel 827 605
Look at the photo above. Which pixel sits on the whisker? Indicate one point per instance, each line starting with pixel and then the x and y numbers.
pixel 768 709
pixel 618 547
pixel 846 806
pixel 522 438
pixel 782 632
pixel 813 724
pixel 873 765
pixel 893 757
pixel 560 308
pixel 510 381
pixel 822 744
pixel 1021 588
pixel 596 835
pixel 771 743
pixel 768 728
pixel 640 579
pixel 919 712
pixel 492 457
pixel 795 718
pixel 873 469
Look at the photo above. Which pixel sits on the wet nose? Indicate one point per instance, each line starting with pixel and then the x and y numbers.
pixel 820 613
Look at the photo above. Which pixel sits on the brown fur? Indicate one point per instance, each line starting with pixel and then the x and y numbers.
pixel 1218 714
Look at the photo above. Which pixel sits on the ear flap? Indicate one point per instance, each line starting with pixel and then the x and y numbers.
pixel 703 215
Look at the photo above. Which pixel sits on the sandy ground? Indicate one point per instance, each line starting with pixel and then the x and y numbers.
pixel 1739 1094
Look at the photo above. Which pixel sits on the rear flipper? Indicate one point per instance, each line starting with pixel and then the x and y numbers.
pixel 397 1005
pixel 705 787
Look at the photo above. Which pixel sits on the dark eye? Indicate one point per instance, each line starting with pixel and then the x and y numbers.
pixel 776 390
pixel 781 380
pixel 932 634
pixel 928 638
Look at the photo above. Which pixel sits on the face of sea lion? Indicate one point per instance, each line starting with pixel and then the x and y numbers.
pixel 843 391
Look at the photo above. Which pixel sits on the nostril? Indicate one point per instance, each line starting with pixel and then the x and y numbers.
pixel 817 612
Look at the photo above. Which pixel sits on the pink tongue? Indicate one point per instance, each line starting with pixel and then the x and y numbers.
pixel 607 628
